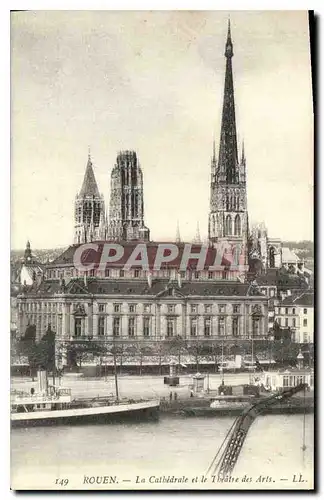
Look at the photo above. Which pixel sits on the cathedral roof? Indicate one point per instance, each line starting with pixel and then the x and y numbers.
pixel 152 247
pixel 160 287
pixel 89 186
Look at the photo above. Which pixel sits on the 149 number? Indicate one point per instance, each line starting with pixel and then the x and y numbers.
pixel 62 482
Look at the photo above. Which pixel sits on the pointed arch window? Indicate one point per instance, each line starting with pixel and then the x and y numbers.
pixel 228 225
pixel 237 225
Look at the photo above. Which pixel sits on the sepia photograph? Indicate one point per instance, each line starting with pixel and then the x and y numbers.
pixel 162 250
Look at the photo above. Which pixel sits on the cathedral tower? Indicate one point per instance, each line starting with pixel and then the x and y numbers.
pixel 228 217
pixel 90 222
pixel 126 216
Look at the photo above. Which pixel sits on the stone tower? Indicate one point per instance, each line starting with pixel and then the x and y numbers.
pixel 228 217
pixel 126 215
pixel 90 223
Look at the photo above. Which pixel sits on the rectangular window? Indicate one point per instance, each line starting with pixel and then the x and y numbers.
pixel 131 326
pixel 193 327
pixel 116 308
pixel 132 308
pixel 255 327
pixel 136 273
pixel 235 327
pixel 236 308
pixel 208 308
pixel 121 273
pixel 92 272
pixel 101 326
pixel 221 308
pixel 101 308
pixel 294 322
pixel 197 274
pixel 171 308
pixel 305 311
pixel 286 310
pixel 146 326
pixel 221 325
pixel 182 274
pixel 147 308
pixel 107 273
pixel 170 327
pixel 294 311
pixel 207 327
pixel 77 327
pixel 272 292
pixel 210 275
pixel 194 308
pixel 116 327
pixel 286 322
pixel 305 338
pixel 305 322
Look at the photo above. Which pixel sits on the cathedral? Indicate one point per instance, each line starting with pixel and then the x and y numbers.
pixel 228 217
pixel 140 305
pixel 126 215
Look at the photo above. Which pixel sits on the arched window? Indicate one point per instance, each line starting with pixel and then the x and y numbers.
pixel 228 225
pixel 237 225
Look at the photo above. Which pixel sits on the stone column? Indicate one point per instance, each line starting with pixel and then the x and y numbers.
pixel 71 325
pixel 95 325
pixel 140 324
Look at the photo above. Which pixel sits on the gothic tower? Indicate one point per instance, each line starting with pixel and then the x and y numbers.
pixel 228 217
pixel 90 222
pixel 126 215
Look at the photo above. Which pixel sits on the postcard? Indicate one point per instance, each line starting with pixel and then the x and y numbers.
pixel 162 256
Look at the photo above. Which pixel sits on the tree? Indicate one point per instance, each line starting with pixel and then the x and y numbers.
pixel 27 347
pixel 176 346
pixel 197 348
pixel 80 351
pixel 143 350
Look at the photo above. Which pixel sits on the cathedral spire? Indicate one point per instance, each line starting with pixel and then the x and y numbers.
pixel 197 237
pixel 178 238
pixel 243 153
pixel 228 159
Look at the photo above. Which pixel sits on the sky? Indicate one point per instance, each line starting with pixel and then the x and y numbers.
pixel 153 82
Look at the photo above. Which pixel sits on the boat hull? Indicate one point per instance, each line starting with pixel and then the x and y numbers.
pixel 146 411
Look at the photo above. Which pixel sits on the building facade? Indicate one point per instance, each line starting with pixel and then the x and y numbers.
pixel 297 313
pixel 143 310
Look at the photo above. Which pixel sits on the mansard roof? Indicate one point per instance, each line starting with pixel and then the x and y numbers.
pixel 66 258
pixel 160 288
pixel 281 279
pixel 304 299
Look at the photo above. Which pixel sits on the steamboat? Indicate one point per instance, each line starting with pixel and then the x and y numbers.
pixel 51 405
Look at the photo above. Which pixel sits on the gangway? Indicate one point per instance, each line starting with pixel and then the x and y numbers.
pixel 238 432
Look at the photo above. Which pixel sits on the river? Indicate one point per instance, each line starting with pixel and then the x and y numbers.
pixel 171 447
